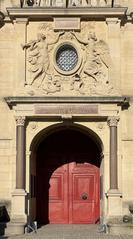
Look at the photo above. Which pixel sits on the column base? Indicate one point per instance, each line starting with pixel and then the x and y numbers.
pixel 18 211
pixel 12 228
pixel 114 203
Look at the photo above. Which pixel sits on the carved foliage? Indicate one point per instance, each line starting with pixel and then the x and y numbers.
pixel 113 121
pixel 20 120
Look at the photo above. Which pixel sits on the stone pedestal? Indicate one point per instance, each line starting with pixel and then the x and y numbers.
pixel 114 203
pixel 18 215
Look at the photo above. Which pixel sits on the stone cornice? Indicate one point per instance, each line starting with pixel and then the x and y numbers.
pixel 45 13
pixel 123 101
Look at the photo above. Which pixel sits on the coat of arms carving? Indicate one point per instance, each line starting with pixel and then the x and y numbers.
pixel 68 63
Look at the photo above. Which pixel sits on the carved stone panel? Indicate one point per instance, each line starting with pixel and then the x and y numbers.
pixel 64 109
pixel 65 3
pixel 68 63
pixel 67 24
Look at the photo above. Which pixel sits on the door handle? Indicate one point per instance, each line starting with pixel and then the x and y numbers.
pixel 84 196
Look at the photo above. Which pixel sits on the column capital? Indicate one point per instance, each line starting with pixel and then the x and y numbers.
pixel 113 121
pixel 20 120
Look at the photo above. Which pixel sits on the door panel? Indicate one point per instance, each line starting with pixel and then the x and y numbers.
pixel 56 187
pixel 68 192
pixel 58 196
pixel 84 191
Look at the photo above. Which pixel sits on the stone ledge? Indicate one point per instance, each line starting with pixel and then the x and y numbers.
pixel 122 101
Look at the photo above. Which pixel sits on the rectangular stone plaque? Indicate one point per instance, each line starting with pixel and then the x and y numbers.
pixel 67 23
pixel 62 109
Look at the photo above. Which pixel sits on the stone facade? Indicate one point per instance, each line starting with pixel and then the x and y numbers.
pixel 38 92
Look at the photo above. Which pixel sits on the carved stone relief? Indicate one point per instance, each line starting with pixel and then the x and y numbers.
pixel 68 63
pixel 20 120
pixel 67 3
pixel 64 3
pixel 113 121
pixel 33 126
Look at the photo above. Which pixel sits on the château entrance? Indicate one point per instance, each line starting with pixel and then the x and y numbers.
pixel 67 171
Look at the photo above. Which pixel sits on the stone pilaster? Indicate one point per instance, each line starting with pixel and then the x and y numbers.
pixel 115 51
pixel 21 33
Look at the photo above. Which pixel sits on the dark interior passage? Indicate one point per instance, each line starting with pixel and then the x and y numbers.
pixel 67 170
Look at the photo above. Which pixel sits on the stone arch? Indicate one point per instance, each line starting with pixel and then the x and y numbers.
pixel 55 129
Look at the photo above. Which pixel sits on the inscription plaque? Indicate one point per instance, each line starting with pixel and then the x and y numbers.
pixel 67 23
pixel 62 109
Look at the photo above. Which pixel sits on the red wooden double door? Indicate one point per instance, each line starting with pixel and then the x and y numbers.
pixel 67 189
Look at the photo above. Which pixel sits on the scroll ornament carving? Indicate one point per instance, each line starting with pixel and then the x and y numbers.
pixel 113 121
pixel 20 120
pixel 91 78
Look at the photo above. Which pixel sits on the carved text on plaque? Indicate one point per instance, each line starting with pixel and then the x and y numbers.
pixel 67 23
pixel 60 109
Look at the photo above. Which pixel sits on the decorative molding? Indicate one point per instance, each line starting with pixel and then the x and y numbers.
pixel 21 20
pixel 19 192
pixel 112 20
pixel 100 126
pixel 113 121
pixel 20 120
pixel 33 126
pixel 113 193
pixel 66 117
pixel 118 100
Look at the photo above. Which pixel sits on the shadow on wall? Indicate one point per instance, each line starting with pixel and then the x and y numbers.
pixel 4 218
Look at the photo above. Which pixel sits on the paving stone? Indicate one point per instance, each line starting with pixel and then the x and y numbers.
pixel 69 232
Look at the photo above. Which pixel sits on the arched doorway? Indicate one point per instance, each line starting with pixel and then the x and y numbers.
pixel 67 178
